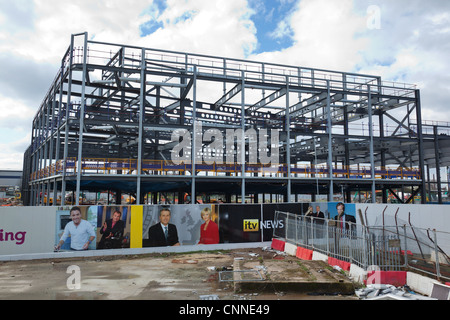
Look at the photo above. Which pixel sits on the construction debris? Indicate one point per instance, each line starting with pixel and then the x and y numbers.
pixel 278 255
pixel 389 292
pixel 269 249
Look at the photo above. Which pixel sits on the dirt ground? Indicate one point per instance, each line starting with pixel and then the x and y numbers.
pixel 175 276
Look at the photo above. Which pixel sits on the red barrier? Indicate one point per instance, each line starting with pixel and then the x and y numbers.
pixel 278 244
pixel 336 262
pixel 395 278
pixel 304 254
pixel 308 254
pixel 299 252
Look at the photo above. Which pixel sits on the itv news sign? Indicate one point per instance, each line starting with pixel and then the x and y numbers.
pixel 253 225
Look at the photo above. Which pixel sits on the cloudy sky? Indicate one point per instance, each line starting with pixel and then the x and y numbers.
pixel 400 40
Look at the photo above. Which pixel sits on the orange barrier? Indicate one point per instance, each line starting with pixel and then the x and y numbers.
pixel 304 254
pixel 395 278
pixel 336 262
pixel 278 244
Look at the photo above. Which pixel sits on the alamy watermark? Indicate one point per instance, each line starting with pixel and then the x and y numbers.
pixel 74 280
pixel 373 17
pixel 374 275
pixel 213 147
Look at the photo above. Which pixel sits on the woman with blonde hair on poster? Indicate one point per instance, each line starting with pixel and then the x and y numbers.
pixel 209 231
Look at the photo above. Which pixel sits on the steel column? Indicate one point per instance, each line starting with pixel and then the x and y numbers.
pixel 80 134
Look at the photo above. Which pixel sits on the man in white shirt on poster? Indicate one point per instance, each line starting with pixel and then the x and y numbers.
pixel 80 231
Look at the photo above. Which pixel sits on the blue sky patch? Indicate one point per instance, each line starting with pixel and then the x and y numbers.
pixel 185 16
pixel 149 27
pixel 154 11
pixel 160 5
pixel 271 19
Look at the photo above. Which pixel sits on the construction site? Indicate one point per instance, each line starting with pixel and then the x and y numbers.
pixel 115 116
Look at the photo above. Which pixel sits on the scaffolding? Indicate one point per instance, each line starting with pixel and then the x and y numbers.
pixel 109 117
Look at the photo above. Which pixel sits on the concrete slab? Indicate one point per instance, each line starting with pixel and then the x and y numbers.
pixel 290 274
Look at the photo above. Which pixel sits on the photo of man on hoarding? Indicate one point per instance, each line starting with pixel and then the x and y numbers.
pixel 163 233
pixel 79 231
pixel 186 217
pixel 113 226
pixel 112 232
pixel 343 218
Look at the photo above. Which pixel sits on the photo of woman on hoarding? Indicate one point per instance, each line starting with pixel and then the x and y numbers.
pixel 209 231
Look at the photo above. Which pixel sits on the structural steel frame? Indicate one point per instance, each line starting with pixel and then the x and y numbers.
pixel 107 119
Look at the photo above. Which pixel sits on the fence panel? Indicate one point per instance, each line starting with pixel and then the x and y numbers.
pixel 388 248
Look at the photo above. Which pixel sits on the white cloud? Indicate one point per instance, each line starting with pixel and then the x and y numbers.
pixel 15 132
pixel 11 156
pixel 282 30
pixel 221 28
pixel 413 46
pixel 14 108
pixel 324 34
pixel 53 22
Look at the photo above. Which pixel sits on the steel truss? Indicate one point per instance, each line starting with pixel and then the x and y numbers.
pixel 113 104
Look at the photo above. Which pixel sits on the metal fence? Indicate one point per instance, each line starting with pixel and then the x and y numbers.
pixel 389 248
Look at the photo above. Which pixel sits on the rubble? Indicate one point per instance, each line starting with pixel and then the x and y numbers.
pixel 388 292
pixel 337 268
pixel 277 255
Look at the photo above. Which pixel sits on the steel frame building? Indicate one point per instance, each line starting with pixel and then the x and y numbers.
pixel 108 118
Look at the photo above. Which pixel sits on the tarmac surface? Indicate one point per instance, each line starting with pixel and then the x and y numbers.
pixel 237 274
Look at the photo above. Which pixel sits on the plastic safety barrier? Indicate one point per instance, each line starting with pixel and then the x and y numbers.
pixel 340 263
pixel 278 244
pixel 395 278
pixel 304 254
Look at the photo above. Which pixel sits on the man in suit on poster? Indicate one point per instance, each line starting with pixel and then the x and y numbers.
pixel 163 233
pixel 112 232
pixel 345 222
